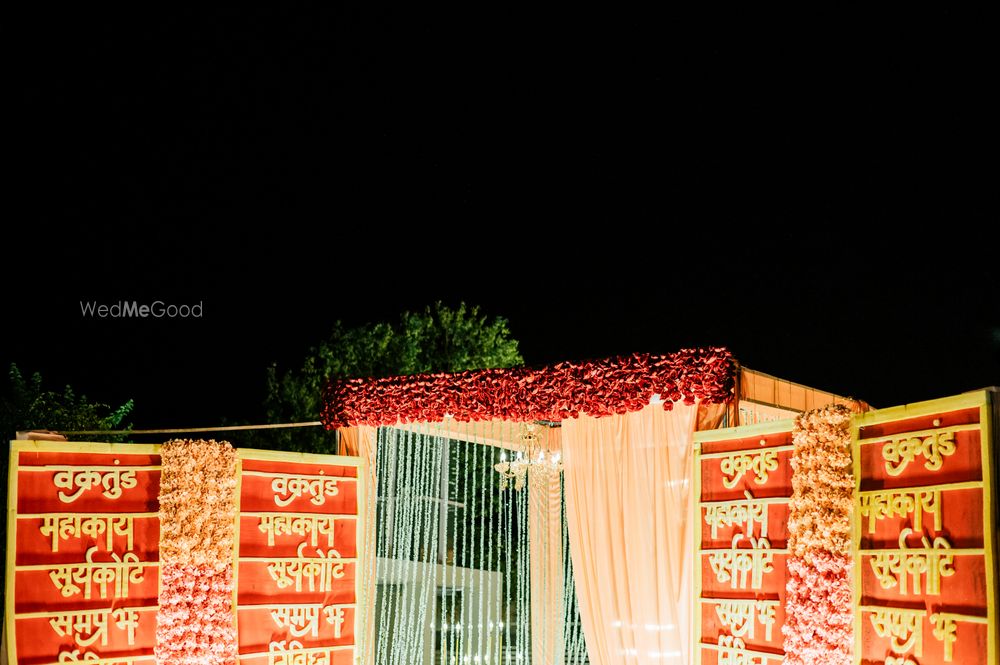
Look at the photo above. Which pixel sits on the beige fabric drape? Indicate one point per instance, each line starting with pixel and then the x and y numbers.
pixel 545 544
pixel 628 506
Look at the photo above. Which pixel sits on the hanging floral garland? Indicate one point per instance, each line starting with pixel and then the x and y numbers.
pixel 818 624
pixel 194 622
pixel 565 390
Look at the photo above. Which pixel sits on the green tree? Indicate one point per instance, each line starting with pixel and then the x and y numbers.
pixel 436 339
pixel 25 404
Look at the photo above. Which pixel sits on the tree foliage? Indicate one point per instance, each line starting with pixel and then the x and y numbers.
pixel 26 404
pixel 436 339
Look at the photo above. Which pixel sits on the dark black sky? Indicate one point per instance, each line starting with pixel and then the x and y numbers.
pixel 813 191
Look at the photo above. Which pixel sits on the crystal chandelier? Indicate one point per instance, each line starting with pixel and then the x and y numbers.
pixel 528 455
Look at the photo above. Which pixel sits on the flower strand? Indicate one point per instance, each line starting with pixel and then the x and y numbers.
pixel 818 603
pixel 197 523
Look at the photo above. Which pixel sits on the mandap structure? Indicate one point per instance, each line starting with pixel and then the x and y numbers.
pixel 637 510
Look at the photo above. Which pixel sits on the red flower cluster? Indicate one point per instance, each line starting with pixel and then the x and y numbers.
pixel 565 390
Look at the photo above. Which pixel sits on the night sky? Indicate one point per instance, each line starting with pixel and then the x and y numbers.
pixel 811 191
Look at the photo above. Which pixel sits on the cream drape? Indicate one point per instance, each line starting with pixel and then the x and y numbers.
pixel 628 505
pixel 546 562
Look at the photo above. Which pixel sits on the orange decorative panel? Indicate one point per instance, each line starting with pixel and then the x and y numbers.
pixel 298 580
pixel 82 552
pixel 742 486
pixel 924 533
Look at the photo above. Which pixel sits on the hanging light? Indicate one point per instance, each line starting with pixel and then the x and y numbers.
pixel 530 463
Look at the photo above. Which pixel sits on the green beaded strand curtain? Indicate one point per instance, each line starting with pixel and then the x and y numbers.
pixel 452 566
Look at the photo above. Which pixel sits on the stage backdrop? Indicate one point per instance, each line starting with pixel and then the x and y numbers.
pixel 743 478
pixel 835 538
pixel 925 533
pixel 84 555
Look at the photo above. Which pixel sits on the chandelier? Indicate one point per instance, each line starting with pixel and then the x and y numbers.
pixel 529 461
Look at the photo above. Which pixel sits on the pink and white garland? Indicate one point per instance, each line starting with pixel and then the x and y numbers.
pixel 818 624
pixel 194 623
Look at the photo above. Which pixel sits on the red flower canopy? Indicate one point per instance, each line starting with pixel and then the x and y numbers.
pixel 565 390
